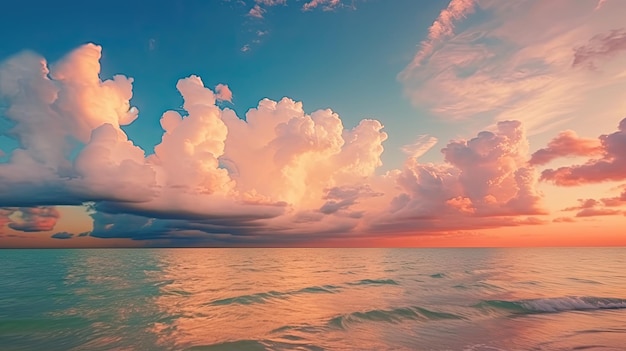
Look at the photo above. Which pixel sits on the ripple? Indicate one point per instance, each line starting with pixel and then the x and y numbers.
pixel 374 282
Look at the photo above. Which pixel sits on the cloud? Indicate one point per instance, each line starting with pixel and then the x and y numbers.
pixel 223 93
pixel 564 220
pixel 62 235
pixel 33 219
pixel 328 5
pixel 567 143
pixel 610 167
pixel 271 2
pixel 484 183
pixel 601 46
pixel 420 146
pixel 602 207
pixel 442 28
pixel 499 68
pixel 281 175
pixel 256 11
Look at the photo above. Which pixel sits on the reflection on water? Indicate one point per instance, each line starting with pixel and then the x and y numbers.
pixel 313 299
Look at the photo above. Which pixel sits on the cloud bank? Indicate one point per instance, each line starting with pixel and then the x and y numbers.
pixel 281 176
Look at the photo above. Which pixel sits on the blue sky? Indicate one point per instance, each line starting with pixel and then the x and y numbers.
pixel 346 59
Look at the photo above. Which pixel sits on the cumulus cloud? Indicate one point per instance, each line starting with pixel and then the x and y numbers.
pixel 281 175
pixel 610 167
pixel 484 183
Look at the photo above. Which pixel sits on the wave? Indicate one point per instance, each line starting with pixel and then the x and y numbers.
pixel 555 304
pixel 248 345
pixel 395 315
pixel 265 296
pixel 374 282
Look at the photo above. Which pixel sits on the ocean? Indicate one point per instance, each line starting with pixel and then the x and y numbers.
pixel 313 299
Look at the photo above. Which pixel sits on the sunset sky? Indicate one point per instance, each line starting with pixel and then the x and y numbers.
pixel 313 123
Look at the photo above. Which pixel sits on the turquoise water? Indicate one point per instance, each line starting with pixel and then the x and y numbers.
pixel 313 299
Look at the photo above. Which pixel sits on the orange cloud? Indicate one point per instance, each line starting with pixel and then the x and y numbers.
pixel 610 167
pixel 567 143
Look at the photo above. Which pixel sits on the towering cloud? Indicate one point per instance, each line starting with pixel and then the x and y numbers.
pixel 282 175
pixel 485 176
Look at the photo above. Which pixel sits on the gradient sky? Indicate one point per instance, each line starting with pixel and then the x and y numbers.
pixel 313 123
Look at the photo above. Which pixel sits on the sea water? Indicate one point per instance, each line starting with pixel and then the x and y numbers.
pixel 313 299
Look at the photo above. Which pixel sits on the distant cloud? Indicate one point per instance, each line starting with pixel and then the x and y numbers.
pixel 62 235
pixel 271 2
pixel 610 167
pixel 34 219
pixel 420 146
pixel 256 11
pixel 499 68
pixel 328 5
pixel 601 46
pixel 442 28
pixel 567 143
pixel 223 93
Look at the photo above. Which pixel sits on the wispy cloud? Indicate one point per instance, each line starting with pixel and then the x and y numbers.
pixel 501 68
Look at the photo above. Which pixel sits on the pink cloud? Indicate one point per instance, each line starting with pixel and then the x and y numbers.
pixel 279 175
pixel 594 212
pixel 602 207
pixel 601 46
pixel 502 69
pixel 485 177
pixel 271 2
pixel 256 11
pixel 564 220
pixel 610 167
pixel 567 143
pixel 223 93
pixel 442 28
pixel 327 4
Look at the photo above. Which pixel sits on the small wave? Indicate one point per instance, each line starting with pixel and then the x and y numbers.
pixel 556 304
pixel 247 345
pixel 438 275
pixel 265 296
pixel 375 282
pixel 247 299
pixel 328 289
pixel 395 315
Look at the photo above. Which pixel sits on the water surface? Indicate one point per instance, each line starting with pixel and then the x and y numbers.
pixel 313 299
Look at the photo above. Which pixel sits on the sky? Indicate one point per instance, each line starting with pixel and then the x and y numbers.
pixel 323 123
